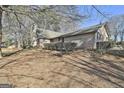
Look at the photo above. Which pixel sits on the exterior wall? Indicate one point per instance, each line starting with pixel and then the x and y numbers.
pixel 104 36
pixel 100 36
pixel 43 41
pixel 85 41
pixel 54 40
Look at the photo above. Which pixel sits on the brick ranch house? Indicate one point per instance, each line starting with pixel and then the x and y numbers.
pixel 85 38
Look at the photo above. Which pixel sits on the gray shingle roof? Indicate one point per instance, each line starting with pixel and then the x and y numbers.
pixel 48 33
pixel 83 31
pixel 52 34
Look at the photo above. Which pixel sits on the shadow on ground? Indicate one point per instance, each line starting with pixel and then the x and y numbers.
pixel 104 69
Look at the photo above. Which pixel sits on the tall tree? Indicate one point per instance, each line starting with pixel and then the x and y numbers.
pixel 21 18
pixel 1 12
pixel 116 27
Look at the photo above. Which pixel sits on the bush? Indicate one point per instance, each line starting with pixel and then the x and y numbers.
pixel 104 45
pixel 60 46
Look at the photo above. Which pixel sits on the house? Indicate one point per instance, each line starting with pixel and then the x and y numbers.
pixel 44 36
pixel 85 38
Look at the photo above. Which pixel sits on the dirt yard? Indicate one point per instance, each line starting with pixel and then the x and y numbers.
pixel 40 68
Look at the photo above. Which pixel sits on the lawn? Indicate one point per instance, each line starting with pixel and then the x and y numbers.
pixel 40 68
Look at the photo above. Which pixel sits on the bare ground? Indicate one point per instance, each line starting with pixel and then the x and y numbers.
pixel 39 68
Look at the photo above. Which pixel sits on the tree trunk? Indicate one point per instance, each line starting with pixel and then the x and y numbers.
pixel 122 35
pixel 38 40
pixel 1 11
pixel 115 38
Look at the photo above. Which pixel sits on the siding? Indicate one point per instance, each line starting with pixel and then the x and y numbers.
pixel 54 40
pixel 103 33
pixel 85 41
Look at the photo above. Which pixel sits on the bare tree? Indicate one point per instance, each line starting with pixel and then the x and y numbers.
pixel 1 12
pixel 116 27
pixel 21 18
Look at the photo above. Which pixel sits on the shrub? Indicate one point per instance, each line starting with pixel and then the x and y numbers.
pixel 60 46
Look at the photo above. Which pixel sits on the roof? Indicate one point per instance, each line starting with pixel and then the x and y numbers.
pixel 48 33
pixel 90 29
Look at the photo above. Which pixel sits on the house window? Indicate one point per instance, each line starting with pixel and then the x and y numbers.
pixel 51 40
pixel 62 39
pixel 99 36
pixel 59 39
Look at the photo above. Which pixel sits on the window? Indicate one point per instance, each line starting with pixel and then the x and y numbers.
pixel 59 39
pixel 99 36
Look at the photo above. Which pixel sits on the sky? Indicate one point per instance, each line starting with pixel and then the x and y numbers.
pixel 112 10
